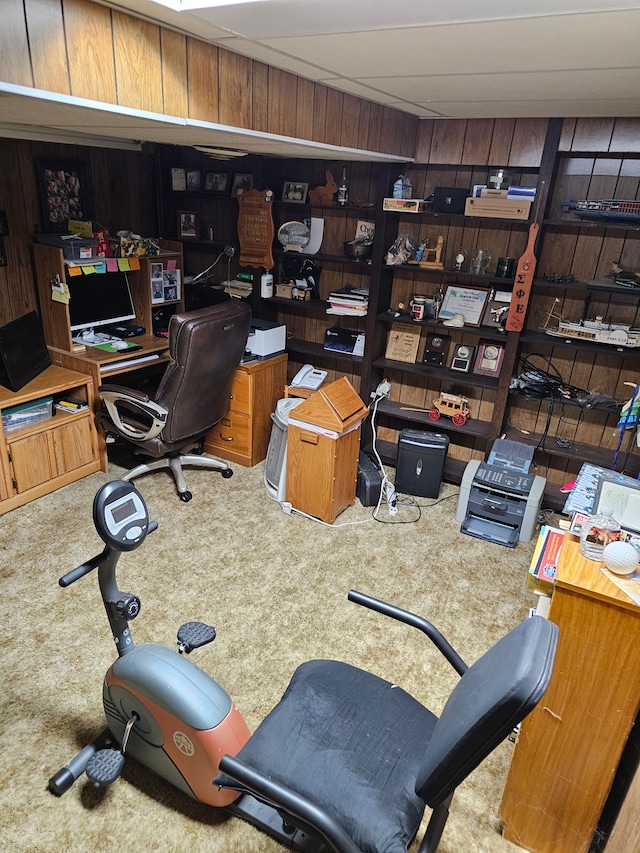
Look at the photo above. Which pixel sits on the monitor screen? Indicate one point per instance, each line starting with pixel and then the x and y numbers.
pixel 99 300
pixel 23 352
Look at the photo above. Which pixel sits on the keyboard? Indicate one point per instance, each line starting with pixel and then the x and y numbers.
pixel 127 362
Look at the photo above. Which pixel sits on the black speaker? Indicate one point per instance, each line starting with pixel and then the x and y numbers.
pixel 420 462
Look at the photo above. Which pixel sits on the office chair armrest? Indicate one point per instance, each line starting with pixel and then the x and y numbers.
pixel 418 622
pixel 286 800
pixel 112 395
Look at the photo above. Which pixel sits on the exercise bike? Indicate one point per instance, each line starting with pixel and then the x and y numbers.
pixel 160 707
pixel 345 762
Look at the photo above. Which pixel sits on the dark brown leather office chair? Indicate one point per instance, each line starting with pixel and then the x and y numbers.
pixel 205 348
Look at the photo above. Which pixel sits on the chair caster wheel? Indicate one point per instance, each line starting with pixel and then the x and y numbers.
pixel 185 496
pixel 227 473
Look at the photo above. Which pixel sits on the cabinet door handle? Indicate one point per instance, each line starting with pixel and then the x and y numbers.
pixel 226 437
pixel 225 422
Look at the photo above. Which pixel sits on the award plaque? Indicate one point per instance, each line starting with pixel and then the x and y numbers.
pixel 255 228
pixel 462 358
pixel 435 351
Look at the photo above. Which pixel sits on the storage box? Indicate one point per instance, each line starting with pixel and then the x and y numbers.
pixel 497 208
pixel 27 414
pixel 283 291
pixel 405 205
pixel 73 248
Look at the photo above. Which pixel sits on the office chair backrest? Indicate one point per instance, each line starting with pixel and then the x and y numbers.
pixel 205 347
pixel 491 698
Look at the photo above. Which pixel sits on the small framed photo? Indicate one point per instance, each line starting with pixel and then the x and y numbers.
pixel 187 225
pixel 489 359
pixel 294 192
pixel 469 302
pixel 65 188
pixel 157 282
pixel 241 181
pixel 216 182
pixel 178 180
pixel 194 179
pixel 171 285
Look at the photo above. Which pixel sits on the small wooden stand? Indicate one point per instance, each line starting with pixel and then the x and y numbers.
pixel 432 261
pixel 323 442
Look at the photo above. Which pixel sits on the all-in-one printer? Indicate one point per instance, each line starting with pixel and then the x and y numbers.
pixel 499 500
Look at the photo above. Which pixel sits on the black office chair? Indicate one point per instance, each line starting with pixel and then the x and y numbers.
pixel 347 761
pixel 205 348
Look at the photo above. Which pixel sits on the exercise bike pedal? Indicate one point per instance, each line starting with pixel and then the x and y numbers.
pixel 192 635
pixel 104 767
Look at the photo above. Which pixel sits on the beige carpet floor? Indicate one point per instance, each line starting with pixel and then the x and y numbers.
pixel 275 586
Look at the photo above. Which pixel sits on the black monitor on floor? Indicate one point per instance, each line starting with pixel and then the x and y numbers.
pixel 23 352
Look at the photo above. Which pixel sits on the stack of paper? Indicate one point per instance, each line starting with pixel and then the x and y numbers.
pixel 349 300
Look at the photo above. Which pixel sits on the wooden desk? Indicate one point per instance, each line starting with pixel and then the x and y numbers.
pixel 569 747
pixel 104 367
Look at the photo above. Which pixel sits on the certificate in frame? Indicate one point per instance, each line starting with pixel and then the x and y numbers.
pixel 468 301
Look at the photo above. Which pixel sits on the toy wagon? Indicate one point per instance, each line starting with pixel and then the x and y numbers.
pixel 452 406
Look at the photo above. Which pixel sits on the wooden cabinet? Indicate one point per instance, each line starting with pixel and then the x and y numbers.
pixel 570 746
pixel 45 455
pixel 242 436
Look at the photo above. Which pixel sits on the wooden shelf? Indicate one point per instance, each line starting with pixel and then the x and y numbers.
pixel 540 338
pixel 317 351
pixel 473 426
pixel 477 331
pixel 441 373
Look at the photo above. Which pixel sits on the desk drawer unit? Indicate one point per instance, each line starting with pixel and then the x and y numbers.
pixel 242 436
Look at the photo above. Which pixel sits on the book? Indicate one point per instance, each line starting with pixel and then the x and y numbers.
pixel 544 563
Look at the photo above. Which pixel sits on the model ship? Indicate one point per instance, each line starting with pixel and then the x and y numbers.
pixel 596 331
pixel 606 209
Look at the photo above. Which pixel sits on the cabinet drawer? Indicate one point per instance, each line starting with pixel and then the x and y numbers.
pixel 232 433
pixel 241 393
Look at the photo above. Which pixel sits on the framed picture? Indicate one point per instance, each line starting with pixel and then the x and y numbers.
pixel 496 310
pixel 294 192
pixel 157 282
pixel 216 182
pixel 171 285
pixel 178 180
pixel 187 225
pixel 194 179
pixel 436 348
pixel 466 301
pixel 241 181
pixel 489 359
pixel 65 188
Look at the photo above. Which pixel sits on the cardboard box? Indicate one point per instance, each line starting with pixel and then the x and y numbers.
pixel 405 205
pixel 498 208
pixel 283 291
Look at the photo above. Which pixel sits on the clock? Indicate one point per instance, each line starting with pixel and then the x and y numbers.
pixel 435 351
pixel 294 235
pixel 462 357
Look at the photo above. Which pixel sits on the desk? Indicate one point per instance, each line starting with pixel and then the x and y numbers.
pixel 569 747
pixel 105 367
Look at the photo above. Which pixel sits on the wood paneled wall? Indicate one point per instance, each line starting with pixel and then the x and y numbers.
pixel 80 48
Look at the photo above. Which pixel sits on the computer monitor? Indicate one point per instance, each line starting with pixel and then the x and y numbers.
pixel 102 299
pixel 23 352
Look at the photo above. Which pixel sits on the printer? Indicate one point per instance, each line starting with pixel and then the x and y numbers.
pixel 266 338
pixel 499 500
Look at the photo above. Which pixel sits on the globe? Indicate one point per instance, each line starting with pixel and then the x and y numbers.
pixel 620 557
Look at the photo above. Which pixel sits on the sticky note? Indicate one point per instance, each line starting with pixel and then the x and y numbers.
pixel 171 263
pixel 134 263
pixel 112 265
pixel 123 264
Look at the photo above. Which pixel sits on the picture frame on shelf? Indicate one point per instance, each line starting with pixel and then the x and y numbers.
pixel 241 181
pixel 436 349
pixel 171 281
pixel 468 301
pixel 462 358
pixel 194 180
pixel 65 192
pixel 157 282
pixel 294 192
pixel 178 180
pixel 496 309
pixel 216 183
pixel 187 225
pixel 489 359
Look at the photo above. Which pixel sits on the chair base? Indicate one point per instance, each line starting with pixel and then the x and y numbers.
pixel 175 464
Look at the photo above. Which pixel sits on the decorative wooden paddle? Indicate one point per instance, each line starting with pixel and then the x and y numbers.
pixel 524 276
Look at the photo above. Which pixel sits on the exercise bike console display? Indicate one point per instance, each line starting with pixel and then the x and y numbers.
pixel 120 516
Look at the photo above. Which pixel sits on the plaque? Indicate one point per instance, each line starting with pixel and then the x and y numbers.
pixel 435 352
pixel 255 228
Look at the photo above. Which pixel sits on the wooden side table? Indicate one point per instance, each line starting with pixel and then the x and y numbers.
pixel 569 747
pixel 242 436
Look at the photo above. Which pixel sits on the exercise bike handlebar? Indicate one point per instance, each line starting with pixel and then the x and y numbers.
pixel 80 571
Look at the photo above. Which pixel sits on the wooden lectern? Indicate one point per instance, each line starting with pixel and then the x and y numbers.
pixel 323 441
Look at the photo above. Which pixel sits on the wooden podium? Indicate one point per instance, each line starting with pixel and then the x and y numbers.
pixel 323 441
